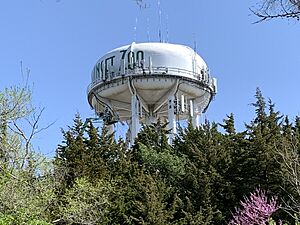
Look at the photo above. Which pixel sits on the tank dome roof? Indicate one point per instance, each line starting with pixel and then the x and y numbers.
pixel 151 55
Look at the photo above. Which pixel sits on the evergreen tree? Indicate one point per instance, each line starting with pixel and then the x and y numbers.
pixel 235 145
pixel 203 184
pixel 156 162
pixel 69 159
pixel 263 133
pixel 197 180
pixel 152 151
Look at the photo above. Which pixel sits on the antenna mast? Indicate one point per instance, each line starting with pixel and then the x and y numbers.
pixel 167 28
pixel 159 17
pixel 135 28
pixel 148 29
pixel 195 43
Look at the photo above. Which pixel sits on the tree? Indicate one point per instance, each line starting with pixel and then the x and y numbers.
pixel 255 209
pixel 260 160
pixel 15 105
pixel 142 198
pixel 289 155
pixel 86 203
pixel 25 199
pixel 270 9
pixel 85 153
pixel 203 190
pixel 152 151
pixel 26 187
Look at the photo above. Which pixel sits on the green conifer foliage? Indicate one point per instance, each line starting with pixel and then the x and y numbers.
pixel 160 169
pixel 229 125
pixel 207 163
pixel 199 179
pixel 69 160
pixel 261 160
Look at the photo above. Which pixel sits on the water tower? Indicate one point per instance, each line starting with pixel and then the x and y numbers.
pixel 142 82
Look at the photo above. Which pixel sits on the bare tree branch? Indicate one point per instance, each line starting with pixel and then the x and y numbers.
pixel 33 124
pixel 272 9
pixel 290 165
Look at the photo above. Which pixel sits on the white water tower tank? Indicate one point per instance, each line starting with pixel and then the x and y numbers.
pixel 142 82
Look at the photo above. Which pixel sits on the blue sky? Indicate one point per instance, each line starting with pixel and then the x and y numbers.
pixel 61 41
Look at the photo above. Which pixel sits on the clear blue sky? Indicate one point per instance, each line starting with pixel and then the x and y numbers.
pixel 61 41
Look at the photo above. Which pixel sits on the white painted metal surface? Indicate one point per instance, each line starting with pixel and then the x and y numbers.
pixel 136 83
pixel 172 118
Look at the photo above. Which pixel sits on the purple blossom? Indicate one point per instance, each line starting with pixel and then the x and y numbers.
pixel 255 209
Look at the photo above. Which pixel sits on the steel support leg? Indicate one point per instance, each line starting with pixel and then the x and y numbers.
pixel 135 122
pixel 172 119
pixel 194 114
pixel 195 120
pixel 110 129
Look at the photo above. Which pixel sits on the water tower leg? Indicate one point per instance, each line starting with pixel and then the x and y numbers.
pixel 194 114
pixel 135 122
pixel 195 120
pixel 172 119
pixel 110 129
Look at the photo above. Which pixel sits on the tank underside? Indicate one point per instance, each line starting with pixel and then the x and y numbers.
pixel 153 92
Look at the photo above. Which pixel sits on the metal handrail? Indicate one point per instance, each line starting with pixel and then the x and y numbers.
pixel 205 77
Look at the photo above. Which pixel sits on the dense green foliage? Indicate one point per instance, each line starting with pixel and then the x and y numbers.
pixel 200 179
